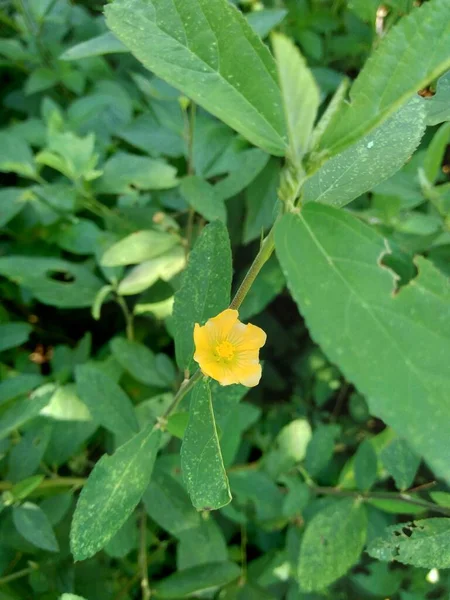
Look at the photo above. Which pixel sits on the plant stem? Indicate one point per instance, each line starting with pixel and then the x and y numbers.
pixel 403 497
pixel 129 318
pixel 185 387
pixel 265 252
pixel 18 574
pixel 50 483
pixel 143 565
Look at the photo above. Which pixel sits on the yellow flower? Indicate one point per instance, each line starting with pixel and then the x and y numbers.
pixel 228 351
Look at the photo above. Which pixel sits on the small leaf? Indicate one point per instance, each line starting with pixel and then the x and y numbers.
pixel 24 488
pixel 106 43
pixel 71 597
pixel 107 402
pixel 111 493
pixel 401 462
pixel 197 579
pixel 332 543
pixel 13 334
pixel 24 410
pixel 201 195
pixel 438 107
pixel 16 156
pixel 300 95
pixel 321 448
pixel 424 543
pixel 263 21
pixel 365 466
pixel 12 200
pixel 138 247
pixel 205 288
pixel 32 523
pixel 188 46
pixel 201 458
pixel 18 385
pixel 147 273
pixel 138 360
pixel 435 152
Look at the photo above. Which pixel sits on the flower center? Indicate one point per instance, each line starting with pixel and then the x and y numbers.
pixel 225 350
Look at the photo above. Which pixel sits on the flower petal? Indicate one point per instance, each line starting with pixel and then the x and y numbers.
pixel 248 337
pixel 220 372
pixel 250 375
pixel 220 326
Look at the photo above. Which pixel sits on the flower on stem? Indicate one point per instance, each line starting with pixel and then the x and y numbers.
pixel 228 351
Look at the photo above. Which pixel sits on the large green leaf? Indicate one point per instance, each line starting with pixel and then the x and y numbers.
pixel 300 95
pixel 111 493
pixel 206 49
pixel 332 543
pixel 205 288
pixel 424 543
pixel 393 346
pixel 201 458
pixel 375 157
pixel 197 579
pixel 395 72
pixel 106 401
pixel 138 247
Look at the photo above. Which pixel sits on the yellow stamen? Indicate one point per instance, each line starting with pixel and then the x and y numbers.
pixel 225 351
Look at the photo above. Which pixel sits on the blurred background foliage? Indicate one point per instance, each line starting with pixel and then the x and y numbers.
pixel 97 217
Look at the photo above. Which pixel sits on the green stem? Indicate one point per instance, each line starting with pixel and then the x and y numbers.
pixel 50 483
pixel 143 564
pixel 129 317
pixel 185 387
pixel 19 574
pixel 403 497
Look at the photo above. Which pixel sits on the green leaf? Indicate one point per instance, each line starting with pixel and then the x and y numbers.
pixel 300 95
pixel 71 597
pixel 26 456
pixel 321 448
pixel 106 43
pixel 138 247
pixel 331 544
pixel 40 79
pixel 375 157
pixel 201 545
pixel 369 330
pixel 424 543
pixel 188 45
pixel 256 488
pixel 401 462
pixel 201 195
pixel 79 237
pixel 243 167
pixel 24 410
pixel 18 385
pixel 267 286
pixel 263 21
pixel 13 334
pixel 205 288
pixel 111 493
pixel 393 74
pixel 177 423
pixel 168 504
pixel 365 466
pixel 107 402
pixel 261 202
pixel 435 152
pixel 125 540
pixel 52 281
pixel 12 200
pixel 32 523
pixel 197 579
pixel 124 172
pixel 138 360
pixel 438 107
pixel 24 488
pixel 147 273
pixel 65 405
pixel 201 458
pixel 16 156
pixel 441 498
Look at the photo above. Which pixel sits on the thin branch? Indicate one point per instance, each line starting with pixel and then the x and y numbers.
pixel 143 565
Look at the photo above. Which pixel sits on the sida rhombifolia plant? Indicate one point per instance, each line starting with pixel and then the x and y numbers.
pixel 391 341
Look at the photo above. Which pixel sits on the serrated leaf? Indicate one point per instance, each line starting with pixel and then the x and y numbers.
pixel 205 288
pixel 108 404
pixel 112 491
pixel 201 195
pixel 138 360
pixel 424 543
pixel 401 462
pixel 300 95
pixel 365 466
pixel 207 50
pixel 197 579
pixel 393 74
pixel 375 157
pixel 201 458
pixel 392 346
pixel 331 544
pixel 106 43
pixel 32 523
pixel 138 247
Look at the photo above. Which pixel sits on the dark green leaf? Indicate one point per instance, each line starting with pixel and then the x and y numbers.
pixel 365 466
pixel 261 201
pixel 138 360
pixel 401 462
pixel 13 334
pixel 201 195
pixel 32 523
pixel 197 579
pixel 438 107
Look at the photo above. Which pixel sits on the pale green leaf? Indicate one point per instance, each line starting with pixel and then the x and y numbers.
pixel 107 402
pixel 424 543
pixel 207 50
pixel 205 288
pixel 401 462
pixel 201 195
pixel 147 273
pixel 375 157
pixel 65 405
pixel 394 73
pixel 16 155
pixel 71 597
pixel 300 95
pixel 197 579
pixel 32 523
pixel 138 247
pixel 106 43
pixel 113 490
pixel 201 457
pixel 392 346
pixel 332 543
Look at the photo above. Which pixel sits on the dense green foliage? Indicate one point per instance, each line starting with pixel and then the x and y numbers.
pixel 153 153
